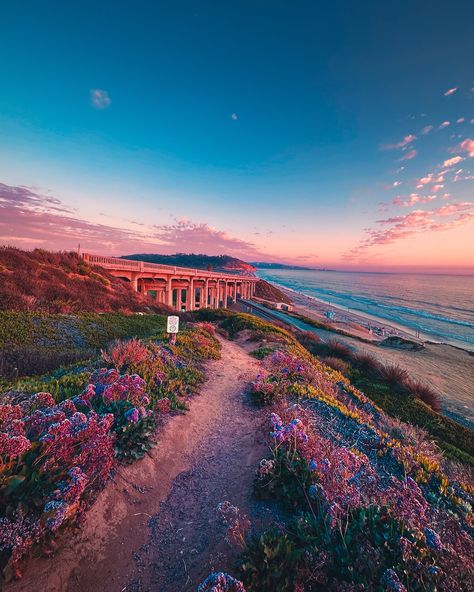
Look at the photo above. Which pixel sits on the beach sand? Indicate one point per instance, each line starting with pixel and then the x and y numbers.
pixel 448 369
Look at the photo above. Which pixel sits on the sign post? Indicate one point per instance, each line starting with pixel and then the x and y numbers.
pixel 172 327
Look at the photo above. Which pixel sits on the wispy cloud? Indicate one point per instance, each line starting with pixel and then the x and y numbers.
pixel 188 236
pixel 444 124
pixel 404 142
pixel 99 98
pixel 467 146
pixel 30 219
pixel 426 130
pixel 452 161
pixel 409 155
pixel 450 91
pixel 396 228
pixel 430 178
pixel 413 199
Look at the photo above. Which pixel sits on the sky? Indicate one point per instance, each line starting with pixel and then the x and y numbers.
pixel 333 134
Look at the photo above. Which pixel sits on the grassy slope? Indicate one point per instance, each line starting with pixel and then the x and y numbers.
pixel 34 342
pixel 62 282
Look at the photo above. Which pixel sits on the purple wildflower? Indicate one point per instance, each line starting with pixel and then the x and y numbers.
pixel 220 582
pixel 391 581
pixel 132 415
pixel 432 539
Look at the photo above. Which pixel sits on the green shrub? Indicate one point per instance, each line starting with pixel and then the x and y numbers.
pixel 454 439
pixel 306 554
pixel 262 352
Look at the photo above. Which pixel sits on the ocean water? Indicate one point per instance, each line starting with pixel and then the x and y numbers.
pixel 440 307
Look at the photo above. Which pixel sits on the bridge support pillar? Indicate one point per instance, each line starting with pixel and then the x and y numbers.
pixel 169 292
pixel 226 294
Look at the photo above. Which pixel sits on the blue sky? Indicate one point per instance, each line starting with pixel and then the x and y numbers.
pixel 265 122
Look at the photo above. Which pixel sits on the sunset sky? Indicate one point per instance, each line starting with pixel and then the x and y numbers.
pixel 336 134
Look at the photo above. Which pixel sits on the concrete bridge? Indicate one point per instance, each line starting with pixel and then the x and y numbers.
pixel 179 287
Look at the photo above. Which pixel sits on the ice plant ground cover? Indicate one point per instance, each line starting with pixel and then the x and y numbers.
pixel 370 502
pixel 57 453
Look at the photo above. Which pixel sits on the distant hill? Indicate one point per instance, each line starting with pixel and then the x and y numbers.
pixel 265 265
pixel 63 283
pixel 209 262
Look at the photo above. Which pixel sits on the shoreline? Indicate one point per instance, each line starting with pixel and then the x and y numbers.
pixel 445 366
pixel 363 320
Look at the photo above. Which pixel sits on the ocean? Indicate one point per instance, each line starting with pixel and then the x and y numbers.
pixel 439 307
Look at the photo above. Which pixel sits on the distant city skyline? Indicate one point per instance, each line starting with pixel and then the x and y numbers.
pixel 319 135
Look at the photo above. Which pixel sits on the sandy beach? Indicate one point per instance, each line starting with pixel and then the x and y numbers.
pixel 450 370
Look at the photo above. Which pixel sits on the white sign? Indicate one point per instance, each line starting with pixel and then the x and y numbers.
pixel 172 325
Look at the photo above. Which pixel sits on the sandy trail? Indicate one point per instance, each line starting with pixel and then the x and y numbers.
pixel 155 528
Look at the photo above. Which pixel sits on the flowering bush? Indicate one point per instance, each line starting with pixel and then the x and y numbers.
pixel 55 456
pixel 124 397
pixel 52 457
pixel 123 354
pixel 372 507
pixel 220 582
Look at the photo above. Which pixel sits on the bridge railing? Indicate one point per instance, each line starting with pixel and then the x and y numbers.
pixel 131 265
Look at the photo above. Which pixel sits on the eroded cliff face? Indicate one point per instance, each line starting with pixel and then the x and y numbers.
pixel 269 292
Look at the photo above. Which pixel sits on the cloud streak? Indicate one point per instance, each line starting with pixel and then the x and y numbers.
pixel 450 91
pixel 409 155
pixel 404 142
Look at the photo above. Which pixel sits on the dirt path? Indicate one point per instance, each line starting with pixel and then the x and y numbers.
pixel 156 527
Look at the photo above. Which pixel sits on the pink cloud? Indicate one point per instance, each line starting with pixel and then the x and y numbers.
pixel 397 228
pixel 413 199
pixel 30 219
pixel 455 208
pixel 467 146
pixel 409 155
pixel 460 120
pixel 404 142
pixel 450 91
pixel 444 124
pixel 430 178
pixel 452 161
pixel 426 130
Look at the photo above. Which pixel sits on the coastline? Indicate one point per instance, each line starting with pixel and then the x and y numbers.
pixel 357 322
pixel 447 368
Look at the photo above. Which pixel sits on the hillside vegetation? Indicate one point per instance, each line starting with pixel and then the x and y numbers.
pixel 64 435
pixel 62 283
pixel 210 262
pixel 35 342
pixel 367 502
